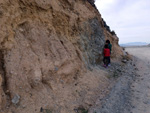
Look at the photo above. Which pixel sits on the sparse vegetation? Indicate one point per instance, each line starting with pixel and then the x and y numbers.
pixel 115 74
pixel 82 110
pixel 91 2
pixel 46 110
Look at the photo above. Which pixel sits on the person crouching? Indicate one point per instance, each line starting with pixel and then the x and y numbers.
pixel 106 55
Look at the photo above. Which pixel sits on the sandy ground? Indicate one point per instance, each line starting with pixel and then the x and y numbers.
pixel 131 93
pixel 142 53
pixel 141 87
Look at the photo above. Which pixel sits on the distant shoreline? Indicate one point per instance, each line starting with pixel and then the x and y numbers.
pixel 135 46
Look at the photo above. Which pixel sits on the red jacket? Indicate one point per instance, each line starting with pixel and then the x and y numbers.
pixel 106 52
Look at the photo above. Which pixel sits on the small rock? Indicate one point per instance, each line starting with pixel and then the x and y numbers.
pixel 142 78
pixel 23 106
pixel 146 102
pixel 148 87
pixel 56 68
pixel 7 91
pixel 118 70
pixel 21 30
pixel 124 61
pixel 15 99
pixel 61 81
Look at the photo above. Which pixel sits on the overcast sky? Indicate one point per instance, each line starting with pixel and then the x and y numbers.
pixel 130 19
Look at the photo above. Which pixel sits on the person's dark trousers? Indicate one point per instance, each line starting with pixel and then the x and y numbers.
pixel 106 60
pixel 109 61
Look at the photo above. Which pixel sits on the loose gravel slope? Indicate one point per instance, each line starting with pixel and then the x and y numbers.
pixel 131 92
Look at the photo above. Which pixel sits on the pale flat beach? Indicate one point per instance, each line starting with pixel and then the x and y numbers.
pixel 142 53
pixel 141 87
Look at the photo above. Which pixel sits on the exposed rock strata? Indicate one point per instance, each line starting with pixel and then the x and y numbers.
pixel 45 47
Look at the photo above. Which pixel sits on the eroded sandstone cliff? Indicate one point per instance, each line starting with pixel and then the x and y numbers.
pixel 47 50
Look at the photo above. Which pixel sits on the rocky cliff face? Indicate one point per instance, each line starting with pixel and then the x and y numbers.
pixel 46 47
pixel 117 51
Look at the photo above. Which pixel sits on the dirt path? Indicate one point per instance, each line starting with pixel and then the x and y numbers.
pixel 131 93
pixel 141 87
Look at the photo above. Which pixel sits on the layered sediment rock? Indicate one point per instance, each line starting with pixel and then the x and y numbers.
pixel 45 46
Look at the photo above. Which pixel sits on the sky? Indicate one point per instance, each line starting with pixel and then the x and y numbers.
pixel 130 19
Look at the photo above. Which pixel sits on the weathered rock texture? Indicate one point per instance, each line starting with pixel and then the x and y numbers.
pixel 46 50
pixel 117 51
